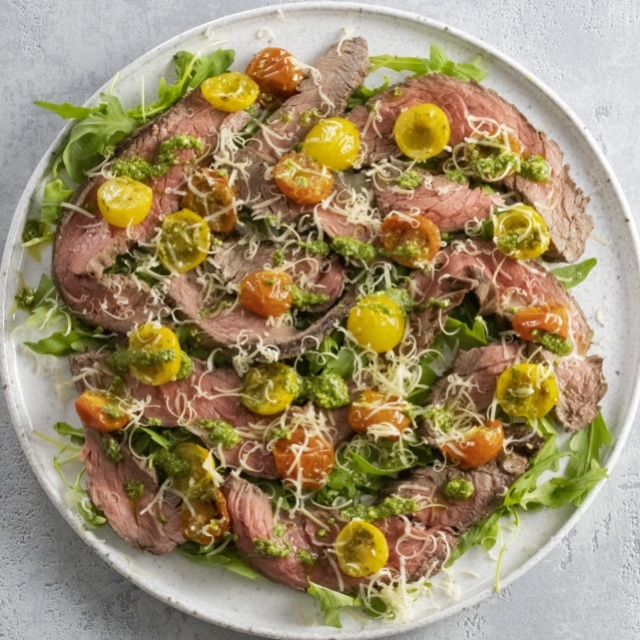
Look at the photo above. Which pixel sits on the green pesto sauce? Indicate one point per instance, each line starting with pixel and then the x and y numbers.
pixel 305 557
pixel 121 359
pixel 278 257
pixel 186 367
pixel 491 166
pixel 442 419
pixel 304 299
pixel 172 464
pixel 402 298
pixel 535 168
pixel 113 411
pixel 327 390
pixel 316 247
pixel 221 433
pixel 352 248
pixel 134 489
pixel 390 506
pixel 112 449
pixel 439 304
pixel 140 169
pixel 274 548
pixel 459 489
pixel 306 117
pixel 552 342
pixel 457 175
pixel 409 180
pixel 25 298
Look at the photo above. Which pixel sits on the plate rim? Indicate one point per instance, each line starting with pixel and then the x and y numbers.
pixel 23 203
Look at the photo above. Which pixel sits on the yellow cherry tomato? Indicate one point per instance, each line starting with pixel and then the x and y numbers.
pixel 377 322
pixel 123 201
pixel 361 549
pixel 184 241
pixel 159 354
pixel 527 390
pixel 334 143
pixel 422 132
pixel 270 388
pixel 521 233
pixel 232 91
pixel 195 481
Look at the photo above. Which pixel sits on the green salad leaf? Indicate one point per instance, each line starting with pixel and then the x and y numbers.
pixel 332 603
pixel 227 559
pixel 574 274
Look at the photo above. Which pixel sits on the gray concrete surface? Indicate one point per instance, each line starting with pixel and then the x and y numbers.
pixel 51 584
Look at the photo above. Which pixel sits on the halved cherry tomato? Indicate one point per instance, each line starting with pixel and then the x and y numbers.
pixel 184 241
pixel 211 196
pixel 333 142
pixel 232 91
pixel 305 459
pixel 479 446
pixel 266 293
pixel 204 521
pixel 302 179
pixel 160 346
pixel 123 201
pixel 101 410
pixel 270 388
pixel 375 408
pixel 361 549
pixel 552 319
pixel 275 71
pixel 521 233
pixel 527 390
pixel 422 132
pixel 377 322
pixel 411 240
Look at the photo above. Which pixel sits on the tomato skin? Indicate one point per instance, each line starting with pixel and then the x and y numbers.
pixel 480 446
pixel 304 458
pixel 302 179
pixel 275 71
pixel 90 409
pixel 373 408
pixel 521 233
pixel 184 242
pixel 361 549
pixel 552 319
pixel 123 201
pixel 334 143
pixel 211 196
pixel 422 132
pixel 411 240
pixel 377 322
pixel 155 339
pixel 231 91
pixel 267 293
pixel 527 390
pixel 205 521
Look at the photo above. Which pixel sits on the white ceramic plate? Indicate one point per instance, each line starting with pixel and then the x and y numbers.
pixel 40 393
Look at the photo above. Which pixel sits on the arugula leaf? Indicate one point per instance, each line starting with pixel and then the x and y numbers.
pixel 88 511
pixel 66 430
pixel 437 62
pixel 191 71
pixel 227 559
pixel 331 603
pixel 65 110
pixel 54 194
pixel 574 274
pixel 65 343
pixel 93 138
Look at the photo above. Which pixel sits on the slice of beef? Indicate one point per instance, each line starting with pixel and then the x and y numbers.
pixel 500 284
pixel 473 376
pixel 419 551
pixel 154 528
pixel 448 204
pixel 86 245
pixel 558 200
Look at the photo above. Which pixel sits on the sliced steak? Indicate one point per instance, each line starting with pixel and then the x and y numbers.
pixel 500 284
pixel 154 528
pixel 86 245
pixel 558 200
pixel 448 204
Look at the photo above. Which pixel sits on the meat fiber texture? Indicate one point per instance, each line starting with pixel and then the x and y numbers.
pixel 558 200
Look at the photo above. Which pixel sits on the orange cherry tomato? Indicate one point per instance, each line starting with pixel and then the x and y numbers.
pixel 267 293
pixel 212 197
pixel 411 240
pixel 101 410
pixel 204 521
pixel 375 408
pixel 304 458
pixel 552 319
pixel 302 179
pixel 480 445
pixel 275 71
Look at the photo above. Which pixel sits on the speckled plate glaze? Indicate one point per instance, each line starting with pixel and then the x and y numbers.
pixel 39 392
